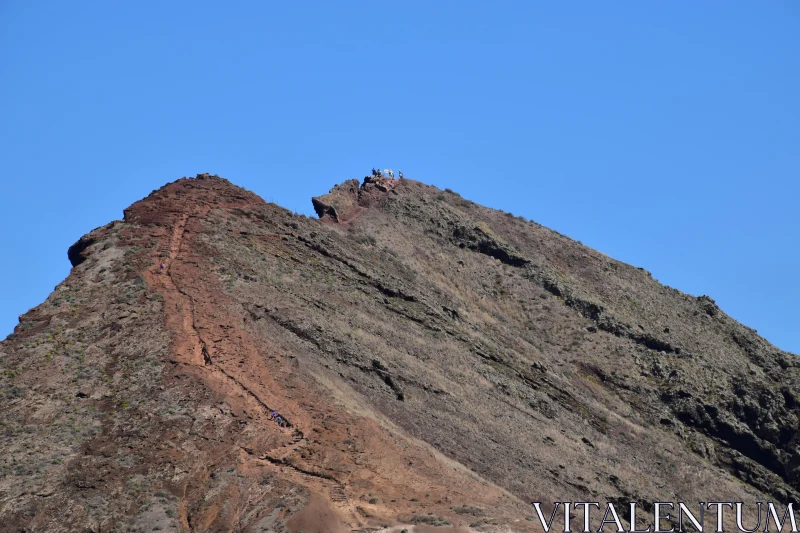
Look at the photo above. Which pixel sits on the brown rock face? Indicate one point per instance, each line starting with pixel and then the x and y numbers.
pixel 346 201
pixel 435 362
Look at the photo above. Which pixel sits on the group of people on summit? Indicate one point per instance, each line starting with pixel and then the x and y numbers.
pixel 388 173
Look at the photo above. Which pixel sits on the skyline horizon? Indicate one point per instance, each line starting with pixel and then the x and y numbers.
pixel 664 136
pixel 311 214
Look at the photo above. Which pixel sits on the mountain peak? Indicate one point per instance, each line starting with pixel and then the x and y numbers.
pixel 194 195
pixel 217 363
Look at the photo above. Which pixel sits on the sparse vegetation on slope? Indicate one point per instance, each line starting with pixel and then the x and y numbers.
pixel 437 362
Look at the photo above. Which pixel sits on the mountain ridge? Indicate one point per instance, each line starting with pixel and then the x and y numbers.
pixel 498 361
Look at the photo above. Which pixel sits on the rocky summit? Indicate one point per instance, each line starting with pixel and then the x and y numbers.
pixel 407 360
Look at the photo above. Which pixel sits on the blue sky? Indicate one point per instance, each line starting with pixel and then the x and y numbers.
pixel 666 135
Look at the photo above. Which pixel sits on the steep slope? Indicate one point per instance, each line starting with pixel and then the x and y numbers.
pixel 436 361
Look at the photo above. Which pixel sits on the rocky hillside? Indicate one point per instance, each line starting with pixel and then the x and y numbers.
pixel 437 363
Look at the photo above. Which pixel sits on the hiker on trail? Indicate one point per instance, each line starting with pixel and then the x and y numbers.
pixel 400 174
pixel 273 415
pixel 163 266
pixel 374 172
pixel 279 420
pixel 391 173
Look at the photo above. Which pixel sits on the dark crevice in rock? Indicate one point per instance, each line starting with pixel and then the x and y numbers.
pixel 206 356
pixel 322 209
pixel 478 240
pixel 379 369
pixel 487 248
pixel 739 435
pixel 405 314
pixel 603 319
pixel 259 312
pixel 653 343
pixel 590 310
pixel 75 253
pixel 394 293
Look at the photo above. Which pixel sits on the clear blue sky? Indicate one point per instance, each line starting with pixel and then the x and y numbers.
pixel 664 134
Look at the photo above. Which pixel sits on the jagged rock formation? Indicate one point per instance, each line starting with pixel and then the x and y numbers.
pixel 436 361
